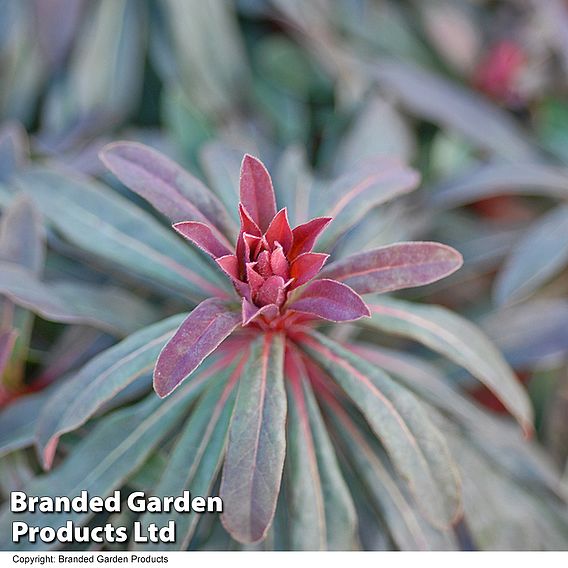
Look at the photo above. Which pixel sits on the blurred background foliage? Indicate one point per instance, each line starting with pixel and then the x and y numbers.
pixel 472 93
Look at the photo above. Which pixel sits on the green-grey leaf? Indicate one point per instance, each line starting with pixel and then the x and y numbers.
pixel 195 460
pixel 460 341
pixel 98 381
pixel 102 461
pixel 415 447
pixel 321 511
pixel 98 220
pixel 409 529
pixel 540 254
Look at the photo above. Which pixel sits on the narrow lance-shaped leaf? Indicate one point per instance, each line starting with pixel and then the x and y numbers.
pixel 394 267
pixel 257 443
pixel 409 529
pixel 18 421
pixel 102 461
pixel 415 447
pixel 168 187
pixel 305 498
pixel 256 191
pixel 540 254
pixel 110 309
pixel 101 222
pixel 22 247
pixel 22 236
pixel 359 191
pixel 489 180
pixel 330 300
pixel 321 511
pixel 450 105
pixel 97 382
pixel 13 149
pixel 202 235
pixel 196 457
pixel 198 336
pixel 460 341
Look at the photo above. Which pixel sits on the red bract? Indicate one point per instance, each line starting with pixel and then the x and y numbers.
pixel 271 259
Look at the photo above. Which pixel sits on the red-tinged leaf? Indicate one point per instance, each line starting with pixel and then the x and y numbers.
pixel 305 235
pixel 359 191
pixel 415 446
pixel 321 514
pixel 165 185
pixel 250 312
pixel 280 230
pixel 7 341
pixel 254 279
pixel 257 193
pixel 458 340
pixel 230 266
pixel 202 236
pixel 279 263
pixel 198 336
pixel 257 443
pixel 272 291
pixel 247 223
pixel 305 267
pixel 394 267
pixel 330 300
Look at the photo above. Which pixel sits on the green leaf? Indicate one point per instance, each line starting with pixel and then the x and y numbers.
pixel 212 72
pixel 22 246
pixel 196 458
pixel 415 447
pixel 539 255
pixel 98 220
pixel 452 106
pixel 18 421
pixel 501 178
pixel 102 461
pixel 409 529
pixel 321 513
pixel 257 443
pixel 106 71
pixel 460 341
pixel 98 381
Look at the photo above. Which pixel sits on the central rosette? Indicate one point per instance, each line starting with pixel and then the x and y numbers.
pixel 271 259
pixel 269 264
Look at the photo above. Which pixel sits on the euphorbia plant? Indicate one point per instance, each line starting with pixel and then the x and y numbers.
pixel 267 334
pixel 303 431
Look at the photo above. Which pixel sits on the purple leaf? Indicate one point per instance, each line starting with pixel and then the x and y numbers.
pixel 394 267
pixel 168 187
pixel 257 443
pixel 257 193
pixel 250 312
pixel 202 236
pixel 330 300
pixel 198 336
